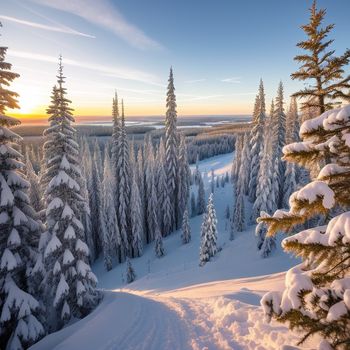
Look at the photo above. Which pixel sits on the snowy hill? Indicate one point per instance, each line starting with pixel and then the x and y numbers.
pixel 175 304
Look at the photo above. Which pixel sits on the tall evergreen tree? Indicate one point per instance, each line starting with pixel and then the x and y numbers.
pixel 236 164
pixel 111 239
pixel 183 179
pixel 86 188
pixel 116 136
pixel 151 203
pixel 323 72
pixel 70 283
pixel 200 197
pixel 315 299
pixel 95 200
pixel 238 212
pixel 278 125
pixel 171 148
pixel 136 218
pixel 243 175
pixel 164 207
pixel 256 141
pixel 20 324
pixel 124 189
pixel 209 233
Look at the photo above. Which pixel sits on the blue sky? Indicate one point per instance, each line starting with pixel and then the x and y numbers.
pixel 219 50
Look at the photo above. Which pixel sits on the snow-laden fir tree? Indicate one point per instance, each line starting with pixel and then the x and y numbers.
pixel 322 71
pixel 316 299
pixel 86 166
pixel 256 141
pixel 193 205
pixel 111 238
pixel 292 122
pixel 200 197
pixel 123 170
pixel 186 229
pixel 278 126
pixel 209 233
pixel 95 200
pixel 243 175
pixel 116 136
pixel 70 283
pixel 183 179
pixel 151 201
pixel 238 212
pixel 236 164
pixel 164 205
pixel 20 324
pixel 268 186
pixel 34 191
pixel 171 147
pixel 130 272
pixel 136 218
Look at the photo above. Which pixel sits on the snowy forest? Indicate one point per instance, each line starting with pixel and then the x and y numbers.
pixel 180 238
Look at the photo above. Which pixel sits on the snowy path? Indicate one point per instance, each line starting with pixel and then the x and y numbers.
pixel 220 315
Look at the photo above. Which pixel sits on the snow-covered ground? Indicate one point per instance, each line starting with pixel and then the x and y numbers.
pixel 175 304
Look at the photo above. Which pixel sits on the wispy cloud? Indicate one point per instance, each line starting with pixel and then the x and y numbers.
pixel 194 81
pixel 118 72
pixel 62 29
pixel 105 15
pixel 234 80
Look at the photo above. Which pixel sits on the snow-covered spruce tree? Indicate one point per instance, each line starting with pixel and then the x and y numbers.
pixel 130 272
pixel 291 173
pixel 186 229
pixel 237 158
pixel 34 191
pixel 200 197
pixel 245 165
pixel 278 126
pixel 209 233
pixel 111 236
pixel 320 68
pixel 164 206
pixel 70 283
pixel 183 179
pixel 268 186
pixel 124 189
pixel 238 212
pixel 136 218
pixel 19 310
pixel 151 203
pixel 171 148
pixel 316 299
pixel 256 142
pixel 95 200
pixel 116 135
pixel 86 187
pixel 193 205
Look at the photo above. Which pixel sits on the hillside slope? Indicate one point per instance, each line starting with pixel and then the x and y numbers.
pixel 175 304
